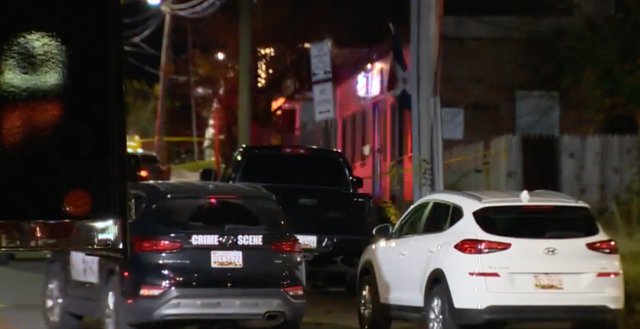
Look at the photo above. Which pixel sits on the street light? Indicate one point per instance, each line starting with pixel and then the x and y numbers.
pixel 220 56
pixel 154 3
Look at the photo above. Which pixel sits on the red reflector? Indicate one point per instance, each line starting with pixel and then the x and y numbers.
pixel 608 274
pixel 287 246
pixel 478 247
pixel 609 247
pixel 296 291
pixel 142 244
pixel 295 150
pixel 485 275
pixel 150 291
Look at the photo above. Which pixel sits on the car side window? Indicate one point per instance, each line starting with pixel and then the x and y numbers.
pixel 136 202
pixel 456 215
pixel 437 218
pixel 411 224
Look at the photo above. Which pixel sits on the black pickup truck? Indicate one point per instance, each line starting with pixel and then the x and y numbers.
pixel 319 194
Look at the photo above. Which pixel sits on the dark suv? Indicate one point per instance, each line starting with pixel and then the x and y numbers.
pixel 200 252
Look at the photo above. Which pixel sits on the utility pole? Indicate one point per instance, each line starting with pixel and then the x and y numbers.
pixel 414 90
pixel 166 46
pixel 245 61
pixel 426 76
pixel 438 153
pixel 194 128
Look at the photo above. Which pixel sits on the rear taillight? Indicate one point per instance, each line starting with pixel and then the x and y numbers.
pixel 609 247
pixel 295 292
pixel 142 244
pixel 152 291
pixel 479 247
pixel 608 274
pixel 292 245
pixel 144 174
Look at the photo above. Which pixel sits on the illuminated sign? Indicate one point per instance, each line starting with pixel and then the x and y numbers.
pixel 369 83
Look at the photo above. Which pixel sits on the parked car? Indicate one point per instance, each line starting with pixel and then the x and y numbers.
pixel 146 166
pixel 200 253
pixel 476 258
pixel 319 194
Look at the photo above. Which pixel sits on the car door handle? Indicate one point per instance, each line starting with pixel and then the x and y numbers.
pixel 403 253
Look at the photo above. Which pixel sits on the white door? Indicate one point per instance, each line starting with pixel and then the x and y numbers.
pixel 398 247
pixel 421 251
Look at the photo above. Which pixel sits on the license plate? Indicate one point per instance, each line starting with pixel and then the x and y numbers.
pixel 226 259
pixel 548 282
pixel 308 241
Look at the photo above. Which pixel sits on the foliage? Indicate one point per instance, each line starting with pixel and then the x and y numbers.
pixel 601 56
pixel 140 101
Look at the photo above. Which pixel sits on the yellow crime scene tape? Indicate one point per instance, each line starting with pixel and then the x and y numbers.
pixel 395 172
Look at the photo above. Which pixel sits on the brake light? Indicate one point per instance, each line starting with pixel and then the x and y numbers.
pixel 152 291
pixel 144 173
pixel 295 150
pixel 297 291
pixel 287 246
pixel 478 247
pixel 609 247
pixel 142 244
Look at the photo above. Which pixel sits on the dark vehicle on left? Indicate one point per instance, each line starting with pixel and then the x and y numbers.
pixel 200 253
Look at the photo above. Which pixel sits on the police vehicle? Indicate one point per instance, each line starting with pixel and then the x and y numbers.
pixel 200 252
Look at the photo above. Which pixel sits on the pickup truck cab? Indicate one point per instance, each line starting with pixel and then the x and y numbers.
pixel 319 195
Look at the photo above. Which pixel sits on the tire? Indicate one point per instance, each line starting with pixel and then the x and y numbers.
pixel 372 314
pixel 54 311
pixel 5 258
pixel 113 306
pixel 437 309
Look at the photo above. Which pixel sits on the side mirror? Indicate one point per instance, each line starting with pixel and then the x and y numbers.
pixel 357 182
pixel 383 231
pixel 208 175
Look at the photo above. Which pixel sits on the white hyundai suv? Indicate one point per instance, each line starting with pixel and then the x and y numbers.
pixel 492 258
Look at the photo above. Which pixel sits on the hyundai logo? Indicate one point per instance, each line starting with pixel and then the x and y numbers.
pixel 550 251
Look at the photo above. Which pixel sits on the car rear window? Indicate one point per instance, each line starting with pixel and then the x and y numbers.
pixel 148 159
pixel 203 214
pixel 537 222
pixel 295 169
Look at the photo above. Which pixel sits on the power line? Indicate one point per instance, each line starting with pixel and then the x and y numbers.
pixel 149 69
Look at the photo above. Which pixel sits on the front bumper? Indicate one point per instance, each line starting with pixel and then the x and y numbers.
pixel 601 315
pixel 237 305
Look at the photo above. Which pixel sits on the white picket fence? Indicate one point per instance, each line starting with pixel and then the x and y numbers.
pixel 593 168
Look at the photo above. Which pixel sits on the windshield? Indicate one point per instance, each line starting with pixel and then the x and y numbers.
pixel 288 169
pixel 59 120
pixel 537 222
pixel 197 214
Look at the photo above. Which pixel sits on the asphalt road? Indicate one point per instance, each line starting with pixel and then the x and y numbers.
pixel 21 286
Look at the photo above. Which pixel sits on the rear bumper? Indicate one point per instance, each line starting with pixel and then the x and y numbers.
pixel 600 315
pixel 238 305
pixel 335 261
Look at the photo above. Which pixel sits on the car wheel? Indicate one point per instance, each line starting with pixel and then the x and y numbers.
pixel 372 314
pixel 437 304
pixel 112 315
pixel 55 314
pixel 5 258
